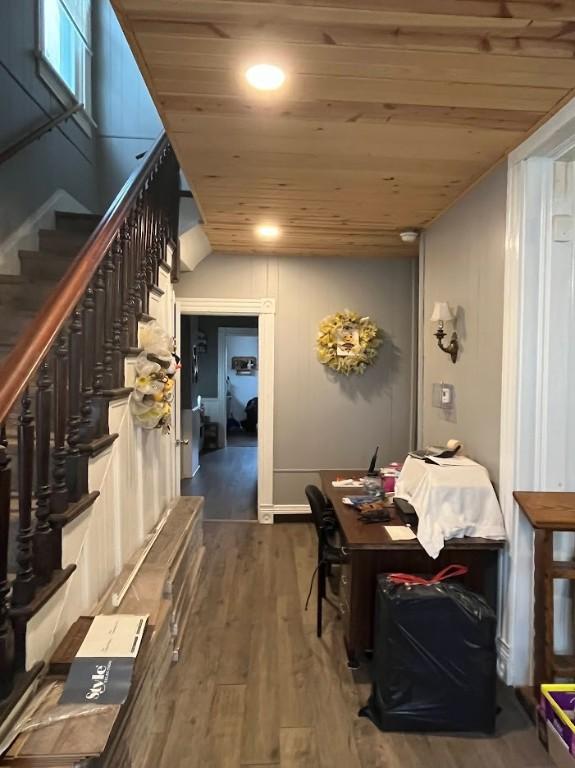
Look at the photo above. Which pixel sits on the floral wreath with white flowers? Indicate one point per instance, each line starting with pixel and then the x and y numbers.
pixel 348 343
pixel 156 366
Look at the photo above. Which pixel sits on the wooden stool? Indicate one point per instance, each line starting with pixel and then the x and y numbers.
pixel 548 513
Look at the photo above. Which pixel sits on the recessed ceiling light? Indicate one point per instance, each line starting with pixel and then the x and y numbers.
pixel 265 77
pixel 268 231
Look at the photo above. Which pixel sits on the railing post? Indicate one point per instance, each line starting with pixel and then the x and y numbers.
pixel 24 583
pixel 77 462
pixel 100 300
pixel 133 304
pixel 44 550
pixel 59 496
pixel 109 294
pixel 117 360
pixel 6 629
pixel 88 362
pixel 126 237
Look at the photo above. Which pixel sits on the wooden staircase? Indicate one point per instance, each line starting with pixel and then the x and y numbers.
pixel 68 323
pixel 21 298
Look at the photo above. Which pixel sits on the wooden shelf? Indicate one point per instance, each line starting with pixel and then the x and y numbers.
pixel 564 666
pixel 563 570
pixel 550 510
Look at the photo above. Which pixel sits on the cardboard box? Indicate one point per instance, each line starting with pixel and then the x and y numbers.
pixel 558 750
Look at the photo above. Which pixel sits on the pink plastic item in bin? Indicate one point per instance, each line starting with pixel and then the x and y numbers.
pixel 388 483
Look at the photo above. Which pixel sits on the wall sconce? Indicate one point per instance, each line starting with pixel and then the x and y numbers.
pixel 442 314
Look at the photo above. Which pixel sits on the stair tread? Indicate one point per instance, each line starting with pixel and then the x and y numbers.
pixel 43 595
pixel 67 221
pixel 44 253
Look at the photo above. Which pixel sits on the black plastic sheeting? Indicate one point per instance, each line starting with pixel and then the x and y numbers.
pixel 434 659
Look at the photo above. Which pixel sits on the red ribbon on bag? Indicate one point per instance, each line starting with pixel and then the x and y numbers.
pixel 447 573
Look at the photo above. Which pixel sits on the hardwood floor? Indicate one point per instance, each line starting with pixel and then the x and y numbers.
pixel 228 480
pixel 236 439
pixel 255 687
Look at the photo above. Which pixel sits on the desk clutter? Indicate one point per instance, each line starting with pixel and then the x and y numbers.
pixel 419 588
pixel 451 495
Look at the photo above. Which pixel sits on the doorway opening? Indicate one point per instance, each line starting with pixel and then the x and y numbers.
pixel 219 414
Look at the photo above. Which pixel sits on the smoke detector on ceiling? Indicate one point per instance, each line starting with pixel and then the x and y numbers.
pixel 409 236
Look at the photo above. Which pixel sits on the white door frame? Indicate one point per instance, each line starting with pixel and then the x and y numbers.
pixel 264 310
pixel 524 400
pixel 223 334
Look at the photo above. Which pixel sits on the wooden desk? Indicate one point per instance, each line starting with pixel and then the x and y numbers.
pixel 372 551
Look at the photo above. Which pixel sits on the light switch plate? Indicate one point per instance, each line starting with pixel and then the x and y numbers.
pixel 442 395
pixel 562 228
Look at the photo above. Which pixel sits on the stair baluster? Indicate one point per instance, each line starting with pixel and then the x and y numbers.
pixel 77 462
pixel 125 239
pixel 117 361
pixel 100 309
pixel 44 550
pixel 88 363
pixel 132 303
pixel 59 495
pixel 139 258
pixel 24 584
pixel 109 293
pixel 135 301
pixel 6 628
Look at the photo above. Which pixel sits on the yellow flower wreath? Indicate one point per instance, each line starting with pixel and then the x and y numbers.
pixel 361 351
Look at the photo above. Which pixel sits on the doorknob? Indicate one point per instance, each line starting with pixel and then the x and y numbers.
pixel 182 442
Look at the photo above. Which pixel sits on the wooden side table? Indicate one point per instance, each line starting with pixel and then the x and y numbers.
pixel 548 513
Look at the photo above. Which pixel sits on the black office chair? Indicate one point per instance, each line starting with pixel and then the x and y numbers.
pixel 330 553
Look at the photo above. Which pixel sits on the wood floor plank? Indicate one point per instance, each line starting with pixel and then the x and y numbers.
pixel 260 737
pixel 298 748
pixel 255 687
pixel 227 478
pixel 223 739
pixel 304 545
pixel 294 655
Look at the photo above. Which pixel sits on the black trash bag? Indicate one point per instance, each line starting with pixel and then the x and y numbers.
pixel 434 659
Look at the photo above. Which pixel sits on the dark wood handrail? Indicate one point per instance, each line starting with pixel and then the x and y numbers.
pixel 37 133
pixel 31 348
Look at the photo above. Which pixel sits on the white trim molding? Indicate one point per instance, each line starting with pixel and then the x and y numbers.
pixel 529 408
pixel 264 309
pixel 293 510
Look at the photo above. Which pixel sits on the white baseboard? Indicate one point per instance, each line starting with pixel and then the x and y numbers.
pixel 267 512
pixel 291 509
pixel 26 236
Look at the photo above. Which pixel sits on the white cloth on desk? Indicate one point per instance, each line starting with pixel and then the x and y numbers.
pixel 452 500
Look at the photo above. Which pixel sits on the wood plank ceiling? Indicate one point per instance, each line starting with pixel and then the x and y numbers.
pixel 391 108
